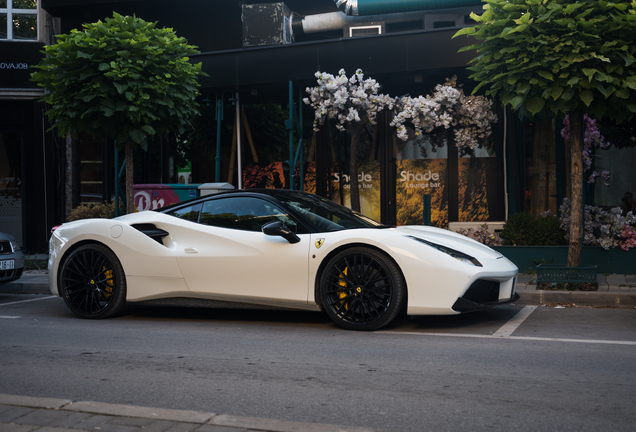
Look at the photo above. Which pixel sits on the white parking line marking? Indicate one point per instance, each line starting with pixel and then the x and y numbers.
pixel 508 328
pixel 9 317
pixel 530 338
pixel 24 301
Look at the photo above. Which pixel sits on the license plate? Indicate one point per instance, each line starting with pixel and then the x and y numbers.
pixel 6 265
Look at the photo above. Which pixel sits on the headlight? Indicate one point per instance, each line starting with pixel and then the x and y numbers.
pixel 459 256
pixel 15 245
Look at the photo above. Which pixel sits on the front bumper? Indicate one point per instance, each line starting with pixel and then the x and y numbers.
pixel 485 293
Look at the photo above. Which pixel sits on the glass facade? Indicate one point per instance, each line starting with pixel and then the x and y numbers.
pixel 394 176
pixel 11 183
pixel 540 180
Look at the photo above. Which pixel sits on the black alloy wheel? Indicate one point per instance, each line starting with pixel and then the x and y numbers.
pixel 361 289
pixel 92 282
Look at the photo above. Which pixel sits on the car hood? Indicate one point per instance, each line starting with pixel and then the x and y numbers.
pixel 449 239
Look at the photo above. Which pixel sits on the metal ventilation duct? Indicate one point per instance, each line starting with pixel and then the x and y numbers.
pixel 338 20
pixel 379 7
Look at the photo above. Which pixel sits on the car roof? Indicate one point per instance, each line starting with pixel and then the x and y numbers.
pixel 272 193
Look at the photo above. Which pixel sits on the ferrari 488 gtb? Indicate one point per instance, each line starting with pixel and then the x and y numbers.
pixel 275 248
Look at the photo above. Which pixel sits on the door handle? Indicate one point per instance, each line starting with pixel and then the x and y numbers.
pixel 191 250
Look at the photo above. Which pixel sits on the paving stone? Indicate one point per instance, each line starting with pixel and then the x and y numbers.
pixel 92 422
pixel 215 428
pixel 12 427
pixel 169 426
pixel 55 429
pixel 43 417
pixel 74 419
pixel 14 413
pixel 108 427
pixel 4 408
pixel 131 421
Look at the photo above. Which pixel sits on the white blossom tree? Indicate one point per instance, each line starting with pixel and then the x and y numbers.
pixel 469 116
pixel 353 102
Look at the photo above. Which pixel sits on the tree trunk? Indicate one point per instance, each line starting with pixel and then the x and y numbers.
pixel 576 210
pixel 130 201
pixel 354 193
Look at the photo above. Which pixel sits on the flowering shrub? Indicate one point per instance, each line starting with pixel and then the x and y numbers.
pixel 629 234
pixel 591 138
pixel 482 235
pixel 471 116
pixel 608 229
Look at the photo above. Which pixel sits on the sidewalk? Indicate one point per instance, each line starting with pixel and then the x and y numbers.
pixel 613 290
pixel 26 414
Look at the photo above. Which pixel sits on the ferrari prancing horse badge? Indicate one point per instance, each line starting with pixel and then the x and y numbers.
pixel 319 242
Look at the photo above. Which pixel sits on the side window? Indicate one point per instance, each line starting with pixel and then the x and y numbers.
pixel 244 213
pixel 190 213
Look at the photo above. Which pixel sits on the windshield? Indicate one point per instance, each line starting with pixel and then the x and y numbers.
pixel 326 214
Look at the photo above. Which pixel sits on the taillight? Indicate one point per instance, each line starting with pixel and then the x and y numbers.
pixel 54 228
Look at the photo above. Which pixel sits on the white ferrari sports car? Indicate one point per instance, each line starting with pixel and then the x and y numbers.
pixel 277 248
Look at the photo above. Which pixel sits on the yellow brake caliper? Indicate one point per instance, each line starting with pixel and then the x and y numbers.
pixel 343 283
pixel 108 291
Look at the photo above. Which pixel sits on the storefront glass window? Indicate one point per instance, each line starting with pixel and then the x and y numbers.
pixel 368 166
pixel 421 169
pixel 477 186
pixel 11 184
pixel 620 160
pixel 91 168
pixel 540 190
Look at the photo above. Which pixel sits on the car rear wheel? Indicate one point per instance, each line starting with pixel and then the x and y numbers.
pixel 92 282
pixel 361 289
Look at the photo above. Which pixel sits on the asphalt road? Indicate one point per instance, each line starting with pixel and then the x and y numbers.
pixel 509 368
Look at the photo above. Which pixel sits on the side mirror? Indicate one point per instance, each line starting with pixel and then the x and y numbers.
pixel 278 228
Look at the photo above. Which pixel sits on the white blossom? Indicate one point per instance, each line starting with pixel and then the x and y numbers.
pixel 355 99
pixel 469 116
pixel 346 100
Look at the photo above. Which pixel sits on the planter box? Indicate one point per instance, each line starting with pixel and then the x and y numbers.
pixel 606 261
pixel 553 273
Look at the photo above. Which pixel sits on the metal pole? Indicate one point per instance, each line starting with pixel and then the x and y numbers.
pixel 217 159
pixel 116 180
pixel 300 141
pixel 238 143
pixel 427 210
pixel 292 186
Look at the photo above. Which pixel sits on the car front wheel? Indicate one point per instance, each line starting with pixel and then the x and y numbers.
pixel 361 289
pixel 92 282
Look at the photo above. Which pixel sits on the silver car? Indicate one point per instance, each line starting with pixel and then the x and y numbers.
pixel 11 259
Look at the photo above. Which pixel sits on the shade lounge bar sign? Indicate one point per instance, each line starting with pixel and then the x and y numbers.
pixel 428 179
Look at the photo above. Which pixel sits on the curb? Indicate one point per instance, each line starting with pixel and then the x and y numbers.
pixel 580 298
pixel 140 412
pixel 172 415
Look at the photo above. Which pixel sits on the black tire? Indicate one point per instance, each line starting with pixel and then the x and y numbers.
pixel 361 289
pixel 92 282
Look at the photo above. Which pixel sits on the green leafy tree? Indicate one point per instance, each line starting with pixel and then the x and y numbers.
pixel 122 78
pixel 557 57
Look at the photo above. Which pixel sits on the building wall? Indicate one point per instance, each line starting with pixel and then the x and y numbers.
pixel 28 168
